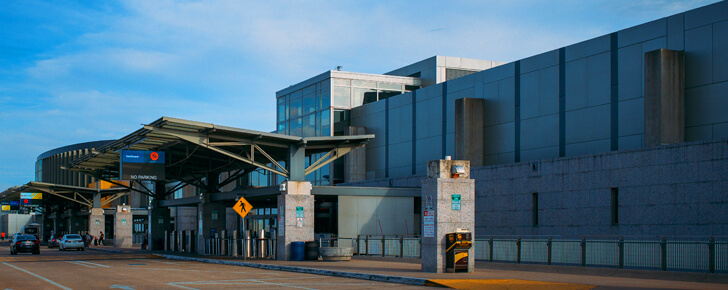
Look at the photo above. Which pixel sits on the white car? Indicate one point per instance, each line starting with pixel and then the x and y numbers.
pixel 71 241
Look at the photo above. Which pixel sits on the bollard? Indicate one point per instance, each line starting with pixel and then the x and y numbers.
pixel 621 252
pixel 235 243
pixel 223 240
pixel 401 246
pixel 548 246
pixel 518 250
pixel 663 253
pixel 583 251
pixel 166 237
pixel 711 255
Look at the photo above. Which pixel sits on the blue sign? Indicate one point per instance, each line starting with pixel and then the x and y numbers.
pixel 142 165
pixel 131 156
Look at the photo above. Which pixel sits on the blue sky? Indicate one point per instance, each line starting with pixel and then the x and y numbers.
pixel 79 71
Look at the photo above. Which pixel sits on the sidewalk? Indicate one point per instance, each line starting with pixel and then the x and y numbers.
pixel 487 275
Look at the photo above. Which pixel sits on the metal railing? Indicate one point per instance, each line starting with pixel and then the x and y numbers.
pixel 385 246
pixel 683 254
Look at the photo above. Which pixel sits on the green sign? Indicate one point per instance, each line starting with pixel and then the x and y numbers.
pixel 299 211
pixel 455 202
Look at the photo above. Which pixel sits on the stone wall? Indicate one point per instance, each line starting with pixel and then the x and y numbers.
pixel 675 190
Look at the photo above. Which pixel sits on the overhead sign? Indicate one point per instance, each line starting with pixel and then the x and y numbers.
pixel 242 207
pixel 14 205
pixel 31 195
pixel 5 207
pixel 142 165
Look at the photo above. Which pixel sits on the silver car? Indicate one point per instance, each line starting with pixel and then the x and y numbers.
pixel 71 241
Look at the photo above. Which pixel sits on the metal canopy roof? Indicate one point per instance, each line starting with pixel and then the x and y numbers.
pixel 194 148
pixel 77 194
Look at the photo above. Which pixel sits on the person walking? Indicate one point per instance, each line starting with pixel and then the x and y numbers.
pixel 87 240
pixel 101 239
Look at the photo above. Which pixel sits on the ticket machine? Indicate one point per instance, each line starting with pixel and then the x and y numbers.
pixel 458 244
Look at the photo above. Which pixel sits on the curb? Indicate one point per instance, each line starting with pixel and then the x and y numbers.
pixel 106 250
pixel 361 276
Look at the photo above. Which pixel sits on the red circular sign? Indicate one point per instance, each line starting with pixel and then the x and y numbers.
pixel 25 201
pixel 154 156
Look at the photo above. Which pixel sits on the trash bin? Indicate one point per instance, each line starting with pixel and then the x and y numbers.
pixel 297 249
pixel 312 250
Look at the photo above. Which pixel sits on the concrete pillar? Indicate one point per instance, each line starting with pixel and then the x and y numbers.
pixel 75 223
pixel 211 221
pixel 295 217
pixel 123 227
pixel 441 215
pixel 158 224
pixel 469 130
pixel 96 221
pixel 355 162
pixel 190 241
pixel 664 97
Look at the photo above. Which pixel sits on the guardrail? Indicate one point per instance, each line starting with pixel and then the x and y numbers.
pixel 678 254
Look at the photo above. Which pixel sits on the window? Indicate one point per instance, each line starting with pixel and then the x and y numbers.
pixel 534 208
pixel 615 206
pixel 342 97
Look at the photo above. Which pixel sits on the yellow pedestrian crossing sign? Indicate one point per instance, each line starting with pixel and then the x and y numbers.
pixel 242 207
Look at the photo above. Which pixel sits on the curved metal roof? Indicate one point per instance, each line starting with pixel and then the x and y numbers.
pixel 193 148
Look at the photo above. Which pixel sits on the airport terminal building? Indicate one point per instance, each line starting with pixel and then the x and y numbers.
pixel 625 134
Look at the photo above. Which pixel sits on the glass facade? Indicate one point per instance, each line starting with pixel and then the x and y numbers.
pixel 323 108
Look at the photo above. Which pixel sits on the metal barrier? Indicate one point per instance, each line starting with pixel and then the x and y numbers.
pixel 385 246
pixel 259 248
pixel 695 255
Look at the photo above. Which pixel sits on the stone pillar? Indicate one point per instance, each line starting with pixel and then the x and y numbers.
pixel 664 97
pixel 96 221
pixel 469 130
pixel 158 224
pixel 295 216
pixel 211 220
pixel 440 214
pixel 123 227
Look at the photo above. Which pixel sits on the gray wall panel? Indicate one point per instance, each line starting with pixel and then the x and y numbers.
pixel 720 52
pixel 643 32
pixel 540 132
pixel 631 142
pixel 706 15
pixel 400 124
pixel 429 149
pixel 676 32
pixel 498 73
pixel 698 56
pixel 499 138
pixel 540 61
pixel 576 84
pixel 598 79
pixel 720 131
pixel 400 155
pixel 549 91
pixel 530 95
pixel 706 105
pixel 587 48
pixel 630 72
pixel 588 124
pixel 631 117
pixel 696 133
pixel 429 118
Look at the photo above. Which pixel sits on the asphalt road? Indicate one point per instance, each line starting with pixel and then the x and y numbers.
pixel 53 269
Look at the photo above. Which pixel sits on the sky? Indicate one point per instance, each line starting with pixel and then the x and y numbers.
pixel 80 71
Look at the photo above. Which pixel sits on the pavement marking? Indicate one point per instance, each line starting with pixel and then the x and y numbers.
pixel 503 284
pixel 122 287
pixel 98 265
pixel 81 264
pixel 39 277
pixel 214 271
pixel 279 284
pixel 171 263
pixel 180 286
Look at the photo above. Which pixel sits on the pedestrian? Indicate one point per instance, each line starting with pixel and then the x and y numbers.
pixel 101 239
pixel 87 240
pixel 3 236
pixel 96 242
pixel 145 242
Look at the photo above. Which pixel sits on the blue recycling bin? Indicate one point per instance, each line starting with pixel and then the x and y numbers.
pixel 297 251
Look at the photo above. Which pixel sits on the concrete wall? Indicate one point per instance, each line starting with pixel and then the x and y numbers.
pixel 363 215
pixel 585 98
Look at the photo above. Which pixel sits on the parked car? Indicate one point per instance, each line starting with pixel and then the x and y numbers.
pixel 71 241
pixel 53 242
pixel 24 244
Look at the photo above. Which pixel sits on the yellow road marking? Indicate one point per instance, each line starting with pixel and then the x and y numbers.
pixel 503 284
